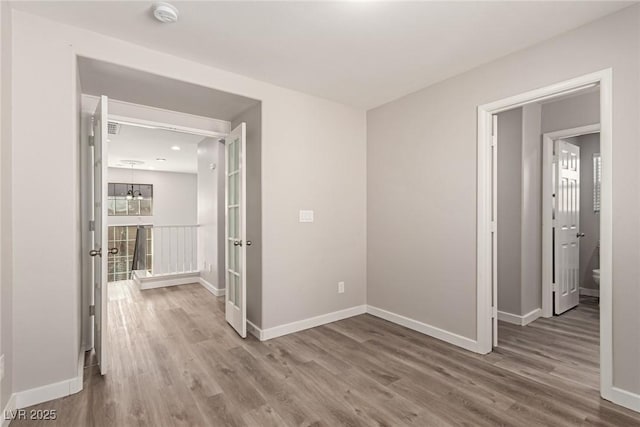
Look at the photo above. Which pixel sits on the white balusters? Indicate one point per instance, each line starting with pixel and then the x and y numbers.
pixel 175 249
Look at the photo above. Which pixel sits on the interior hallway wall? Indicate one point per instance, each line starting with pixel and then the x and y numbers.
pixel 211 211
pixel 510 211
pixel 519 210
pixel 175 196
pixel 422 154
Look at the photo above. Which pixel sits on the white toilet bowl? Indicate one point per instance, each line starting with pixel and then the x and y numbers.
pixel 596 276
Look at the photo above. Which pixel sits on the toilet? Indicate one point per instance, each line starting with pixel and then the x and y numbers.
pixel 596 276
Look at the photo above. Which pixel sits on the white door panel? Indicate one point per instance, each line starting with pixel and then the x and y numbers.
pixel 100 251
pixel 236 233
pixel 567 226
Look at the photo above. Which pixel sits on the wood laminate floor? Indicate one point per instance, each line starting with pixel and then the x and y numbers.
pixel 175 362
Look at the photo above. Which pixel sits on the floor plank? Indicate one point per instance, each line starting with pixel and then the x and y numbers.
pixel 175 362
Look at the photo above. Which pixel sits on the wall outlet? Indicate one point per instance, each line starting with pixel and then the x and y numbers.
pixel 341 287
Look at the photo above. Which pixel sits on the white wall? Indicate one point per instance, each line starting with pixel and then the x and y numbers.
pixel 210 200
pixel 422 157
pixel 6 257
pixel 175 197
pixel 313 157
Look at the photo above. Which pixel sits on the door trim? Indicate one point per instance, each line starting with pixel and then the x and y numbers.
pixel 486 173
pixel 547 197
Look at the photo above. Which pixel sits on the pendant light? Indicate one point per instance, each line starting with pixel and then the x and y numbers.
pixel 131 194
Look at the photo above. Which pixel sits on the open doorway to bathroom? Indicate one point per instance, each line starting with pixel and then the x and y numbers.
pixel 545 228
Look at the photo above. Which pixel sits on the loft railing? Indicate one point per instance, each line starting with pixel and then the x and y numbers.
pixel 175 249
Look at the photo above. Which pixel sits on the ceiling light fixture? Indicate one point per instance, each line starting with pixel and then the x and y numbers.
pixel 161 159
pixel 165 12
pixel 176 148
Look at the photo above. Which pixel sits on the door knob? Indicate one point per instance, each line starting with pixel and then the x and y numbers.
pixel 237 243
pixel 94 252
pixel 579 235
pixel 248 242
pixel 113 251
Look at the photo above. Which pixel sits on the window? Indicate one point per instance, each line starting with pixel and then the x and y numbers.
pixel 119 205
pixel 597 176
pixel 123 237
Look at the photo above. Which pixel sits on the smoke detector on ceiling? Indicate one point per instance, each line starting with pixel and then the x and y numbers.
pixel 165 12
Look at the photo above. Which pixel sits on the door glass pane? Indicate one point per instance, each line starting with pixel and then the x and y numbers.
pixel 233 189
pixel 236 155
pixel 232 256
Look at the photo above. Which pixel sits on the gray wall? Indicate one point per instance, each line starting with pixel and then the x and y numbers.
pixel 6 257
pixel 519 210
pixel 589 220
pixel 571 112
pixel 531 227
pixel 253 118
pixel 510 211
pixel 422 183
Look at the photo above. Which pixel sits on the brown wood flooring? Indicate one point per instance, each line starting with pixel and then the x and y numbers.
pixel 175 362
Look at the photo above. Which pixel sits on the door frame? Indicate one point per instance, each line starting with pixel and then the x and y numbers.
pixel 548 140
pixel 486 303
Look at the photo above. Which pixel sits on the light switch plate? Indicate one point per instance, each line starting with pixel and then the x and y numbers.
pixel 306 216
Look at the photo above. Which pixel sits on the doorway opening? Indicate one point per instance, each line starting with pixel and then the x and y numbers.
pixel 170 169
pixel 547 229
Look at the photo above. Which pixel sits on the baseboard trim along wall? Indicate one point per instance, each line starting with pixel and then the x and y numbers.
pixel 425 328
pixel 208 286
pixel 590 292
pixel 520 320
pixel 625 398
pixel 301 325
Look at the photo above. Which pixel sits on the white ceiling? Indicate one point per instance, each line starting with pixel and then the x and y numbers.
pixel 356 52
pixel 146 145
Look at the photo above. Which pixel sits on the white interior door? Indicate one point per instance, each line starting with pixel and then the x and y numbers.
pixel 567 226
pixel 100 251
pixel 236 230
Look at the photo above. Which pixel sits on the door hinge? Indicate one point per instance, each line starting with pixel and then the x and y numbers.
pixel 92 310
pixel 494 226
pixel 554 287
pixel 92 141
pixel 92 225
pixel 494 312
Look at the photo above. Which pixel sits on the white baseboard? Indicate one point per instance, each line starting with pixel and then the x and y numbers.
pixel 9 409
pixel 433 331
pixel 301 325
pixel 520 320
pixel 590 292
pixel 208 286
pixel 625 398
pixel 170 280
pixel 47 392
pixel 34 396
pixel 255 331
